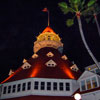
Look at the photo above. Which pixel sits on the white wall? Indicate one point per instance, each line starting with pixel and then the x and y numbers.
pixel 91 96
pixel 73 87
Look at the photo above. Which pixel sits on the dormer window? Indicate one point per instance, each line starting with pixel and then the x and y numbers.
pixel 34 56
pixel 11 72
pixel 50 54
pixel 74 68
pixel 64 57
pixel 24 60
pixel 26 65
pixel 88 84
pixel 51 63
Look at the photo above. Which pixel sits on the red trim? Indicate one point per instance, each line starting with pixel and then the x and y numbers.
pixel 43 98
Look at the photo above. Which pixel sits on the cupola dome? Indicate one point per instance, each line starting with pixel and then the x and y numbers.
pixel 48 38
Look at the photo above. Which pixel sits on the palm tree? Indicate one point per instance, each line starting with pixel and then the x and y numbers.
pixel 93 11
pixel 77 7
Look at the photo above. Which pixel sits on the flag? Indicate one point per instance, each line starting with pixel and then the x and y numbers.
pixel 45 10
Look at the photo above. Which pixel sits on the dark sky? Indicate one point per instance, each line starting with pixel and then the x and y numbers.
pixel 22 20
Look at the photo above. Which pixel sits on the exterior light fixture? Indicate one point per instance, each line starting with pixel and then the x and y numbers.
pixel 77 96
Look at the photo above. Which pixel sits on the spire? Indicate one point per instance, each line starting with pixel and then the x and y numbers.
pixel 46 10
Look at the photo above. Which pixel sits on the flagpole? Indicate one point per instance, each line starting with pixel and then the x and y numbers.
pixel 48 18
pixel 46 10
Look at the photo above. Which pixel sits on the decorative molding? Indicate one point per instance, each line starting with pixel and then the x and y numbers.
pixel 64 57
pixel 34 56
pixel 74 67
pixel 46 43
pixel 26 65
pixel 51 63
pixel 50 54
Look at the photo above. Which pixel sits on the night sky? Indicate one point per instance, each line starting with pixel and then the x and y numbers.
pixel 21 21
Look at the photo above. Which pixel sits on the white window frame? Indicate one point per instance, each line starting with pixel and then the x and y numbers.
pixel 90 82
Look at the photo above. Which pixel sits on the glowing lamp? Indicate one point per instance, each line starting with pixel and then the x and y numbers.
pixel 89 68
pixel 77 96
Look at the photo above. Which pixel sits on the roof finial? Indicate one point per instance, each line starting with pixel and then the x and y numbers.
pixel 46 10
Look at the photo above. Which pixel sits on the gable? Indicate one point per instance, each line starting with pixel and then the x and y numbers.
pixel 51 63
pixel 26 65
pixel 50 54
pixel 86 74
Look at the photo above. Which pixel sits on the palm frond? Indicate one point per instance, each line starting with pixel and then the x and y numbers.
pixel 91 2
pixel 91 10
pixel 82 2
pixel 74 1
pixel 70 22
pixel 82 5
pixel 64 7
pixel 75 4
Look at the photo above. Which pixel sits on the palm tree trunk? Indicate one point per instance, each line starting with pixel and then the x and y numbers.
pixel 85 43
pixel 98 27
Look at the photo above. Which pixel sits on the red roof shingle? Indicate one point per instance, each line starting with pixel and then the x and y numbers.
pixel 40 70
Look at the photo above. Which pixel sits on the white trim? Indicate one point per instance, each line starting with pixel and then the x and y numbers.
pixel 58 92
pixel 97 81
pixel 91 95
pixel 84 74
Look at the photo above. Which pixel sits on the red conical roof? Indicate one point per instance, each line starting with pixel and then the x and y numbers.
pixel 38 68
pixel 48 29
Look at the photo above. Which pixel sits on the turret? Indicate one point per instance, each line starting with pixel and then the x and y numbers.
pixel 48 38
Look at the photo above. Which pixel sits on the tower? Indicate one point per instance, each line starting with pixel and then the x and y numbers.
pixel 46 75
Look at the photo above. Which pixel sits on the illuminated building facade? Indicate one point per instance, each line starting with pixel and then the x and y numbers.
pixel 47 75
